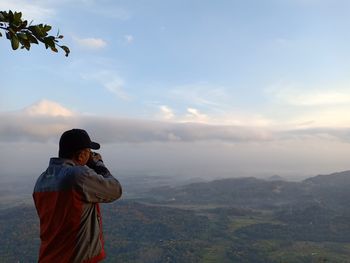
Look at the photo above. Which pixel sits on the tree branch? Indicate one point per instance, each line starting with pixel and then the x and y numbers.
pixel 23 35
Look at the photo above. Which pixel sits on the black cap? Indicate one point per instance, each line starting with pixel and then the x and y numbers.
pixel 75 140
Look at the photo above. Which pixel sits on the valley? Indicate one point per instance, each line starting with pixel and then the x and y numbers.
pixel 226 220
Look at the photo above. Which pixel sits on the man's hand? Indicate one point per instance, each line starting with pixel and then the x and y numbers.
pixel 94 158
pixel 95 163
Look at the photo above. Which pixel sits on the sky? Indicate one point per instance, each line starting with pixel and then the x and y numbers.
pixel 192 88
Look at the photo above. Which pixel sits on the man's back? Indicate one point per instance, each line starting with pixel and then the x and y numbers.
pixel 66 197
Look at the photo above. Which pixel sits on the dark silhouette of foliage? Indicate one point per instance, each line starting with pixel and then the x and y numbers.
pixel 23 34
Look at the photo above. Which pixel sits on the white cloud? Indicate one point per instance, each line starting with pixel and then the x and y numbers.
pixel 196 116
pixel 166 113
pixel 243 119
pixel 230 119
pixel 31 10
pixel 181 147
pixel 45 120
pixel 202 95
pixel 304 107
pixel 39 122
pixel 128 39
pixel 111 81
pixel 336 117
pixel 47 108
pixel 43 11
pixel 214 104
pixel 90 43
pixel 300 95
pixel 115 86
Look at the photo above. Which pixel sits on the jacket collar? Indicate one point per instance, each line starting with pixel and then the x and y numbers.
pixel 61 161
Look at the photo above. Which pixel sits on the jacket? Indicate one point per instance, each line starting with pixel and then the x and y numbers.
pixel 67 198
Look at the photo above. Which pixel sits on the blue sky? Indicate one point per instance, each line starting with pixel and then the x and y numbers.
pixel 130 58
pixel 263 75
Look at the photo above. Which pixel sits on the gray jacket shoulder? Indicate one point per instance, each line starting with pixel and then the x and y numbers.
pixel 96 186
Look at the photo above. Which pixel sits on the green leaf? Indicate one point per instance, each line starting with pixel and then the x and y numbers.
pixel 49 41
pixel 37 31
pixel 17 18
pixel 47 28
pixel 14 42
pixel 26 44
pixel 31 38
pixel 54 49
pixel 66 49
pixel 22 36
pixel 24 41
pixel 12 31
pixel 2 17
pixel 10 16
pixel 23 25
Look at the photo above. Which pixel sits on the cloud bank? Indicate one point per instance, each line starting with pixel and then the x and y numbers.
pixel 46 120
pixel 23 126
pixel 30 137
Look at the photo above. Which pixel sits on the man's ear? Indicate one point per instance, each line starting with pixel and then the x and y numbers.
pixel 78 157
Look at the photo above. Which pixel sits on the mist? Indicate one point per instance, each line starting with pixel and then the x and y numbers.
pixel 291 158
pixel 28 138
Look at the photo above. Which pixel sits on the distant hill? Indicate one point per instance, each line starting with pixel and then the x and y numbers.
pixel 340 179
pixel 245 192
pixel 228 220
pixel 332 190
pixel 276 178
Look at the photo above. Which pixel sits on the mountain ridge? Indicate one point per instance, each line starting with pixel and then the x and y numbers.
pixel 254 192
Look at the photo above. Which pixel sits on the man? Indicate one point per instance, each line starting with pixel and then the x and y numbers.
pixel 67 197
